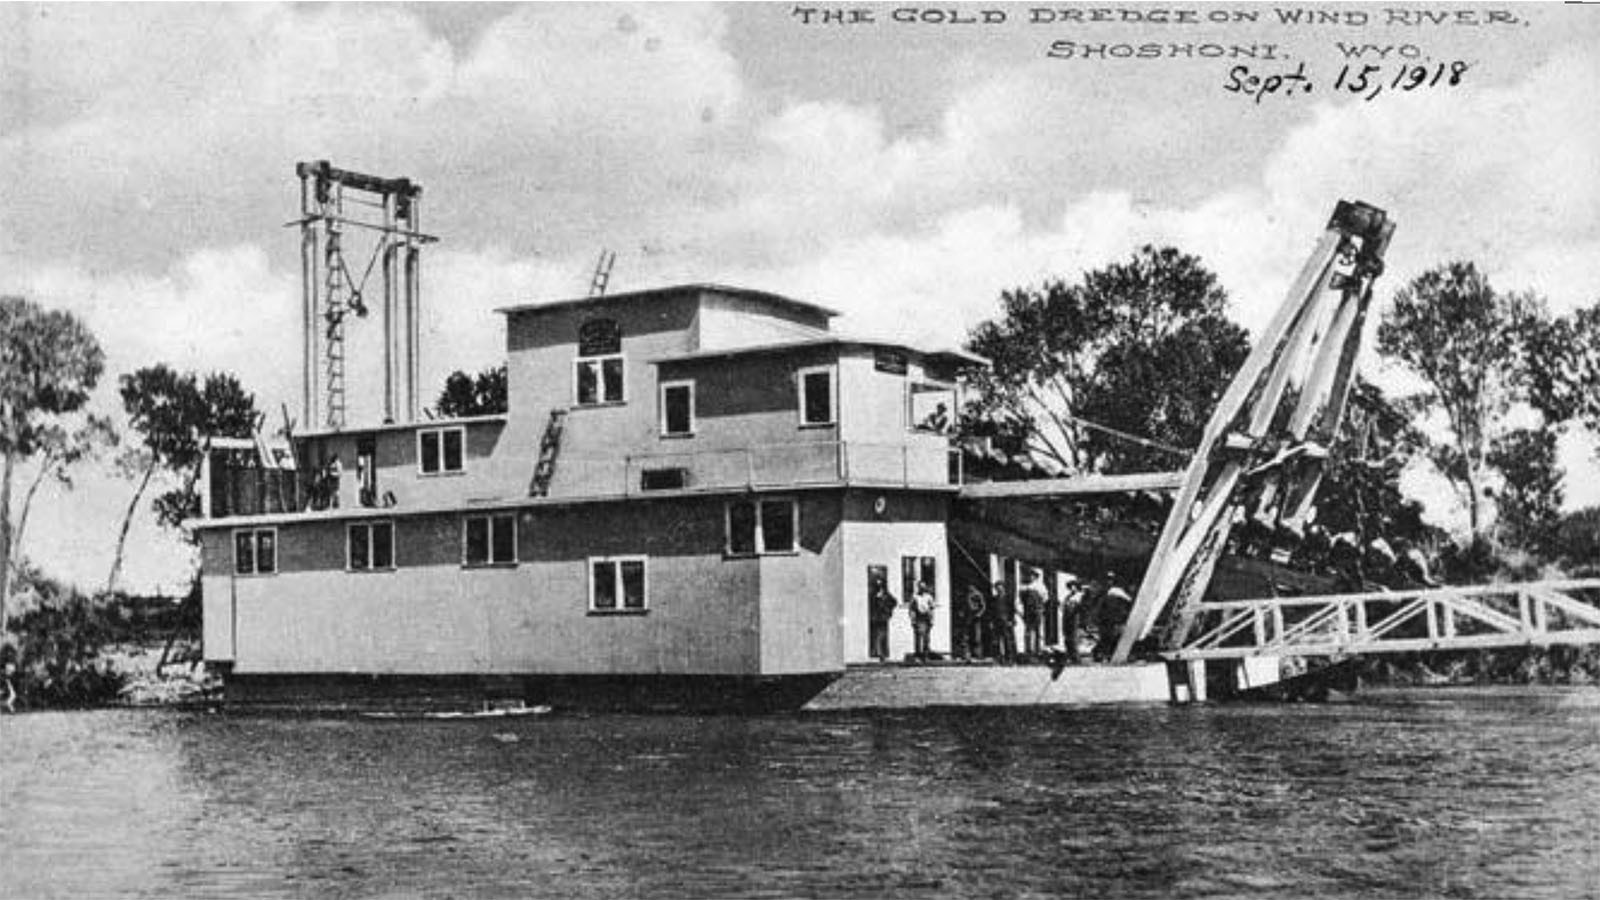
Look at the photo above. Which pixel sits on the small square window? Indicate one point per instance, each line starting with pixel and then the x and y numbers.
pixel 817 396
pixel 370 545
pixel 489 540
pixel 599 380
pixel 618 584
pixel 441 450
pixel 767 526
pixel 255 551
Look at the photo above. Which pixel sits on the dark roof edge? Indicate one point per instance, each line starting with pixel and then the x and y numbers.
pixel 700 286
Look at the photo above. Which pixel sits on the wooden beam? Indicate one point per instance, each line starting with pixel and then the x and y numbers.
pixel 1082 485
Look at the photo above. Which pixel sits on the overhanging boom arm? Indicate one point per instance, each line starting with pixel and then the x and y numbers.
pixel 1267 438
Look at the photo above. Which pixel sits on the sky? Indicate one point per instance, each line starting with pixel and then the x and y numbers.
pixel 904 168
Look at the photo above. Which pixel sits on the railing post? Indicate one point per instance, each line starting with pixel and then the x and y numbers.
pixel 205 482
pixel 1361 619
pixel 1449 620
pixel 1433 619
pixel 1524 615
pixel 1277 623
pixel 1344 622
pixel 1541 616
pixel 1259 625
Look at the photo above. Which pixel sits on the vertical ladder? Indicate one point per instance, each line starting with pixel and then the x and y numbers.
pixel 549 449
pixel 337 278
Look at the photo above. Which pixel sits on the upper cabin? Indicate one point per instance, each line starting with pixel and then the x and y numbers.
pixel 686 388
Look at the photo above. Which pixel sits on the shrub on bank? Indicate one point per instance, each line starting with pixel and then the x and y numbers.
pixel 54 649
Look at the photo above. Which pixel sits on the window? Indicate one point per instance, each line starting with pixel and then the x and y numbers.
pixel 762 526
pixel 255 551
pixel 617 584
pixel 931 407
pixel 914 569
pixel 599 380
pixel 816 396
pixel 370 546
pixel 597 373
pixel 677 408
pixel 672 479
pixel 489 540
pixel 441 450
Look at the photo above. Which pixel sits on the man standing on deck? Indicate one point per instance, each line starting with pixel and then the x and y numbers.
pixel 977 611
pixel 1032 614
pixel 1052 611
pixel 881 606
pixel 1071 605
pixel 922 604
pixel 1002 621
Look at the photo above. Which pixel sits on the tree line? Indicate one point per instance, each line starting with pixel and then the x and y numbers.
pixel 1119 370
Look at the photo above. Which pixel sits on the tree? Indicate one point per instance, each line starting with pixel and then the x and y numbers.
pixel 1471 346
pixel 173 412
pixel 1530 496
pixel 49 362
pixel 1117 373
pixel 467 395
pixel 60 448
pixel 1562 362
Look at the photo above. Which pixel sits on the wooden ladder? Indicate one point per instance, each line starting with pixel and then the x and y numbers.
pixel 549 449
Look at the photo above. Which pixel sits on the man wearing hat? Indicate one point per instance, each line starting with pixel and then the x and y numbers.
pixel 1071 605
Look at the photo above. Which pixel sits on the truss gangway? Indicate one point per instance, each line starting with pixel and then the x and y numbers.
pixel 1532 614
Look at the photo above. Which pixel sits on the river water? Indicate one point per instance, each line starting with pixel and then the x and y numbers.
pixel 1492 793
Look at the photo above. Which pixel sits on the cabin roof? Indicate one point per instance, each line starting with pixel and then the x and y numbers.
pixel 695 287
pixel 403 426
pixel 959 357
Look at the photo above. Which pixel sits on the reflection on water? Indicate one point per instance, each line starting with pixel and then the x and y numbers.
pixel 1461 794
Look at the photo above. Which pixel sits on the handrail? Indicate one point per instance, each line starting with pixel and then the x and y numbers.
pixel 772 464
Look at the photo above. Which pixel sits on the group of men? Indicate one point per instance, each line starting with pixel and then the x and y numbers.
pixel 1054 623
pixel 920 607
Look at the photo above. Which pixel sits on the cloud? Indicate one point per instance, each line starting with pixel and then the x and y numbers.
pixel 166 140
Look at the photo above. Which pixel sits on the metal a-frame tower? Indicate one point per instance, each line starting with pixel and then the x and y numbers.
pixel 337 206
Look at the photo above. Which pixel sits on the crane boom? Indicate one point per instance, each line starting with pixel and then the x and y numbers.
pixel 1263 449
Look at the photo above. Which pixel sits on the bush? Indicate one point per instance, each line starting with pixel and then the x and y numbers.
pixel 55 648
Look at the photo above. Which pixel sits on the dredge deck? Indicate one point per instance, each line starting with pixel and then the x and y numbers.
pixel 898 686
